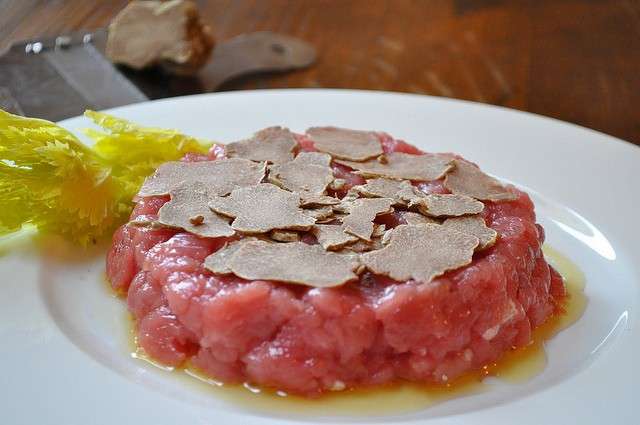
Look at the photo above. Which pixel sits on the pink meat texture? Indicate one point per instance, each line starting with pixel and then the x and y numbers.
pixel 307 340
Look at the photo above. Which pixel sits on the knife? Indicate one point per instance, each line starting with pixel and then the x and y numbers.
pixel 59 77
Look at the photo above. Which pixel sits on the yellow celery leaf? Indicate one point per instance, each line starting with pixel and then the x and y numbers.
pixel 51 180
pixel 133 152
pixel 131 144
pixel 48 178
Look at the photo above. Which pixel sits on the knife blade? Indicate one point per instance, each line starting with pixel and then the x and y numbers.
pixel 59 77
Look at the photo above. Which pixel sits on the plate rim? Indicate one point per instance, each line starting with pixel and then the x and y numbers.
pixel 629 147
pixel 344 91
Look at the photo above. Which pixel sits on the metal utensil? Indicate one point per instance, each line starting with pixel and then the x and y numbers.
pixel 59 77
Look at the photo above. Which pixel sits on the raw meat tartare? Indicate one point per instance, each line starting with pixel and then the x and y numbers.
pixel 331 260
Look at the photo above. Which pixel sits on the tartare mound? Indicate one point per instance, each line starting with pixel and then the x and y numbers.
pixel 451 318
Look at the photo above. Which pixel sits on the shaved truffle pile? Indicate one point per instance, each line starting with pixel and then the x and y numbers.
pixel 331 260
pixel 273 144
pixel 220 177
pixel 398 165
pixel 262 208
pixel 345 144
pixel 188 209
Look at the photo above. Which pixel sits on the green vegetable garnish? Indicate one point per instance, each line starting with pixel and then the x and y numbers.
pixel 50 179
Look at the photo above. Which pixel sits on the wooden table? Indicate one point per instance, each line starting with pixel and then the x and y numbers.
pixel 576 60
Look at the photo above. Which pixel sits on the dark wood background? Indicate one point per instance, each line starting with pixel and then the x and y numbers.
pixel 576 60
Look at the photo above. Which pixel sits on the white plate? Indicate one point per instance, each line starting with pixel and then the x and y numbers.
pixel 62 333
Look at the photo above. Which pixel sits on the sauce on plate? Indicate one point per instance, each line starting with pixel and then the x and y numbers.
pixel 514 367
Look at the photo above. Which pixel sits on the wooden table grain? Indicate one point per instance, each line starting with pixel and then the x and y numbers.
pixel 575 60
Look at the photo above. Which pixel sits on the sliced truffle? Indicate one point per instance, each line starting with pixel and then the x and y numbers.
pixel 146 33
pixel 218 262
pixel 284 235
pixel 343 143
pixel 345 204
pixel 384 188
pixel 474 225
pixel 262 208
pixel 378 230
pixel 320 213
pixel 331 236
pixel 416 219
pixel 313 201
pixel 220 177
pixel 351 195
pixel 337 184
pixel 421 252
pixel 436 205
pixel 364 246
pixel 188 210
pixel 362 212
pixel 314 158
pixel 273 144
pixel 409 194
pixel 400 165
pixel 308 174
pixel 467 179
pixel 295 262
pixel 386 238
